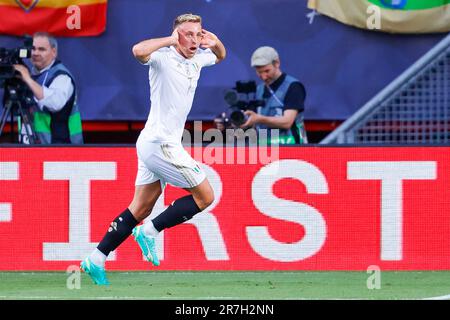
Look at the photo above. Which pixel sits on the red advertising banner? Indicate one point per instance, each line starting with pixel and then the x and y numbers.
pixel 310 208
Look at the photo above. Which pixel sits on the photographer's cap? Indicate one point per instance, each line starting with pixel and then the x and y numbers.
pixel 264 56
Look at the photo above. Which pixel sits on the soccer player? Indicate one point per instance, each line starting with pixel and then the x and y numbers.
pixel 175 63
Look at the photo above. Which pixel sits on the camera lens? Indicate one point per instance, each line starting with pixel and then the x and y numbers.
pixel 238 117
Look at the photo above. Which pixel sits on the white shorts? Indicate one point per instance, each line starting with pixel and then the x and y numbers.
pixel 168 163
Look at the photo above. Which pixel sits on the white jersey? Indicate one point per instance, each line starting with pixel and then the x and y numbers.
pixel 173 80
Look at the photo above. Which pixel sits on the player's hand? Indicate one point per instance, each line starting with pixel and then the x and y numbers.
pixel 175 36
pixel 24 72
pixel 209 39
pixel 252 119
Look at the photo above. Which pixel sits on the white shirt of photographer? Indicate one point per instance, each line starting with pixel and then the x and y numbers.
pixel 57 94
pixel 173 80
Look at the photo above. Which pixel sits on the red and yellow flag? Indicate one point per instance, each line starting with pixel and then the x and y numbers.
pixel 67 18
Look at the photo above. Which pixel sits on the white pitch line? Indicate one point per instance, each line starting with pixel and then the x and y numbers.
pixel 446 297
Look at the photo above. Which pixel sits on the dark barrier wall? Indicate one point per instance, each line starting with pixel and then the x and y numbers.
pixel 341 67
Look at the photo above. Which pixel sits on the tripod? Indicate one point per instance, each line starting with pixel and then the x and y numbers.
pixel 13 106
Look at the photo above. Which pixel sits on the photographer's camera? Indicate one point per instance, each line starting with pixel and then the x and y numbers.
pixel 240 99
pixel 17 96
pixel 10 57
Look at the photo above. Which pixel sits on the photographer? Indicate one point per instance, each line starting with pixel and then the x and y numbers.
pixel 284 98
pixel 56 118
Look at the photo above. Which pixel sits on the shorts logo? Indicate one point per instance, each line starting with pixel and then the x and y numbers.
pixel 196 169
pixel 27 5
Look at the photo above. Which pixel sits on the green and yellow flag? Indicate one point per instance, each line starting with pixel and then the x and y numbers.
pixel 396 16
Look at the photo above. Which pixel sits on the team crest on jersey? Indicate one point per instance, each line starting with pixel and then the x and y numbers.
pixel 27 5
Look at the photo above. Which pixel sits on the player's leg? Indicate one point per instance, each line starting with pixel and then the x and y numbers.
pixel 175 166
pixel 144 199
pixel 147 191
pixel 203 194
pixel 141 207
pixel 183 209
pixel 178 168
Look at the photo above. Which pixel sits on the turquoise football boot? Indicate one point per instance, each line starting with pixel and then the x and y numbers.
pixel 97 274
pixel 147 245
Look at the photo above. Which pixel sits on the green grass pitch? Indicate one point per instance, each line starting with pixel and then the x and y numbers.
pixel 163 285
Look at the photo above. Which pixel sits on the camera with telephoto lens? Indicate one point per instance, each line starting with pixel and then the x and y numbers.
pixel 14 87
pixel 239 100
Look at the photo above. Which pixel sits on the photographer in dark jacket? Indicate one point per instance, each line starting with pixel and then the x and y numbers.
pixel 57 118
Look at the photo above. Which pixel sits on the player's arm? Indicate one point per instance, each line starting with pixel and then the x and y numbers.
pixel 211 41
pixel 143 50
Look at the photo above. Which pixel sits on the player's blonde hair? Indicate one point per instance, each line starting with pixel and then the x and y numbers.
pixel 187 17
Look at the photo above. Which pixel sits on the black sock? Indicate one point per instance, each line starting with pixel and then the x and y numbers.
pixel 180 211
pixel 118 231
